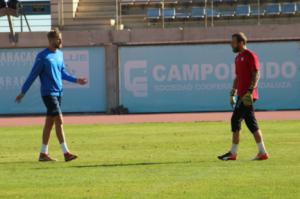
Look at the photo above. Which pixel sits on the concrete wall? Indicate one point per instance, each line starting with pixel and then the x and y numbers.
pixel 111 39
pixel 157 36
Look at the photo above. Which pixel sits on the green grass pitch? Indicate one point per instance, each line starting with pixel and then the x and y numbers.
pixel 151 161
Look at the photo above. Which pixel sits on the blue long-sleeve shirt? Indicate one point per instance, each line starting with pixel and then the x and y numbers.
pixel 50 68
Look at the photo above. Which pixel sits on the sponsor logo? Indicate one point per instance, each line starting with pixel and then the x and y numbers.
pixel 135 78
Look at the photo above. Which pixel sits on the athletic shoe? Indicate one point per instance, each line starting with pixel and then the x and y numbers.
pixel 227 156
pixel 69 157
pixel 261 156
pixel 45 158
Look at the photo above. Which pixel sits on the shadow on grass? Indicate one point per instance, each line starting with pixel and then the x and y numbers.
pixel 112 165
pixel 131 164
pixel 17 162
pixel 64 165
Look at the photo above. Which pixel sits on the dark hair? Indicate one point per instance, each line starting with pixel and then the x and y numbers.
pixel 54 33
pixel 240 37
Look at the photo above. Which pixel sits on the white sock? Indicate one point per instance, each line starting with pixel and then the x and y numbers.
pixel 44 149
pixel 64 147
pixel 261 147
pixel 234 149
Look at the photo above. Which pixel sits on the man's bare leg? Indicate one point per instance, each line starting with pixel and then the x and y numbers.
pixel 47 129
pixel 235 142
pixel 236 137
pixel 49 121
pixel 260 142
pixel 59 129
pixel 61 138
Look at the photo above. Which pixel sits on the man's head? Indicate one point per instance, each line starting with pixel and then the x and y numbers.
pixel 55 38
pixel 238 42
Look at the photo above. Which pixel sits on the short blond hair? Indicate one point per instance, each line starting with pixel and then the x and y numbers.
pixel 54 33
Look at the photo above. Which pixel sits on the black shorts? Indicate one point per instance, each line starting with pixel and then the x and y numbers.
pixel 246 113
pixel 52 104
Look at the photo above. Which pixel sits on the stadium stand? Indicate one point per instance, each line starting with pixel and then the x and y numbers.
pixel 289 8
pixel 153 13
pixel 273 9
pixel 98 14
pixel 197 13
pixel 169 13
pixel 243 10
pixel 223 12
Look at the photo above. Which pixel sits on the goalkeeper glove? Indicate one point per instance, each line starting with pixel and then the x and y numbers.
pixel 247 99
pixel 232 97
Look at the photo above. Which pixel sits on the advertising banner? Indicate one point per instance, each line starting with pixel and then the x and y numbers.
pixel 187 78
pixel 88 62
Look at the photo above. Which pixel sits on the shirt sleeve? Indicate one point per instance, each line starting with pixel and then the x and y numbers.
pixel 235 68
pixel 35 71
pixel 254 62
pixel 66 76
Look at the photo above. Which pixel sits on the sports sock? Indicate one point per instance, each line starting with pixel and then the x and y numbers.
pixel 261 147
pixel 44 149
pixel 64 147
pixel 234 149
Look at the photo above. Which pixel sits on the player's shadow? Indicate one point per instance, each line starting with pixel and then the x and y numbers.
pixel 131 164
pixel 17 162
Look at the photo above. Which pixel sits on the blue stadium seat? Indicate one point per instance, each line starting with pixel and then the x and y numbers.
pixel 227 13
pixel 273 9
pixel 169 13
pixel 198 13
pixel 182 15
pixel 213 13
pixel 289 8
pixel 243 10
pixel 153 13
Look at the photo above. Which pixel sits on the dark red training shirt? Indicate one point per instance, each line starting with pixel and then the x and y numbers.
pixel 246 63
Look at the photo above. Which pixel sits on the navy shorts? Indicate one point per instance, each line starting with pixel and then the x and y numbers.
pixel 52 104
pixel 246 113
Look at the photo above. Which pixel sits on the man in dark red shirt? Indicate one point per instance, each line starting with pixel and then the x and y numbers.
pixel 242 97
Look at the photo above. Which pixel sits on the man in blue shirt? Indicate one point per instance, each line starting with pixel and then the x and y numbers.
pixel 49 66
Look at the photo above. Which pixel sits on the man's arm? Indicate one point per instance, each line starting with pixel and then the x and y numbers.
pixel 66 76
pixel 233 92
pixel 35 71
pixel 234 87
pixel 254 64
pixel 254 81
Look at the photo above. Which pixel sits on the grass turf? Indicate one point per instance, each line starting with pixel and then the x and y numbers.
pixel 151 161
